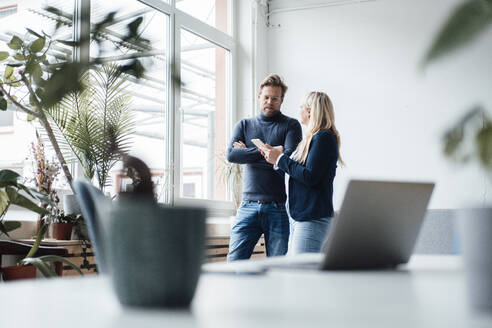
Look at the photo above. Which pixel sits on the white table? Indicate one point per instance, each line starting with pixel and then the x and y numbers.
pixel 429 292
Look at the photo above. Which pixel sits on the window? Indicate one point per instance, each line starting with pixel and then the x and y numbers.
pixel 181 106
pixel 148 95
pixel 212 12
pixel 8 9
pixel 16 133
pixel 203 115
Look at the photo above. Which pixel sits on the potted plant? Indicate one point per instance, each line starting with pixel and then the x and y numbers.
pixel 41 262
pixel 88 118
pixel 26 268
pixel 63 224
pixel 470 139
pixel 13 192
pixel 45 174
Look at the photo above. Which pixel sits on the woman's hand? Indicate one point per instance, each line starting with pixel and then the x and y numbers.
pixel 271 154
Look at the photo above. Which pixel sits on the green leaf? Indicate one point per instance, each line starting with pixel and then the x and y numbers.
pixel 134 68
pixel 30 118
pixel 61 82
pixel 3 229
pixel 37 73
pixel 56 258
pixel 53 10
pixel 15 43
pixel 14 64
pixel 17 199
pixel 484 144
pixel 19 56
pixel 37 242
pixel 10 176
pixel 33 33
pixel 3 104
pixel 133 26
pixel 45 269
pixel 11 225
pixel 32 100
pixel 8 72
pixel 467 21
pixel 30 66
pixel 4 55
pixel 38 45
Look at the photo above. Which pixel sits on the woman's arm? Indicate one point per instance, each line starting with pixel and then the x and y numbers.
pixel 323 155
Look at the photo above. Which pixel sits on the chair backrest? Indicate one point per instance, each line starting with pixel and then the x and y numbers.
pixel 438 233
pixel 92 200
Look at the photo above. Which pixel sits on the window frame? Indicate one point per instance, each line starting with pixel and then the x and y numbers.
pixel 178 20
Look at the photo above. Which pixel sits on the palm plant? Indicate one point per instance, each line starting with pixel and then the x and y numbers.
pixel 92 122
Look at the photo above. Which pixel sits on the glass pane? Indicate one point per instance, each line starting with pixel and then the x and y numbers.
pixel 16 133
pixel 212 12
pixel 148 96
pixel 203 117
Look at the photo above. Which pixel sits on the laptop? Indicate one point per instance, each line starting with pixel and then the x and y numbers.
pixel 377 227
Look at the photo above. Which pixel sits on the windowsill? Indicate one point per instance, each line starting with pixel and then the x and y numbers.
pixel 215 226
pixel 219 226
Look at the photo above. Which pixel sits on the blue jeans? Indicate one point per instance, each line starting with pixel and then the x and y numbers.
pixel 308 236
pixel 254 219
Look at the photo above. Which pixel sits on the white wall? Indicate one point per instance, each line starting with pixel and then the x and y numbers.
pixel 390 114
pixel 251 62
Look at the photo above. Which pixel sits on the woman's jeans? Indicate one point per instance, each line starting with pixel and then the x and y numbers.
pixel 254 219
pixel 308 236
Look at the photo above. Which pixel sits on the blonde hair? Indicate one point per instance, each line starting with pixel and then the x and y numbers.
pixel 322 118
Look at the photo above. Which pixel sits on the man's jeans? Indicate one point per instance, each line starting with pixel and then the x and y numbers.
pixel 308 236
pixel 252 220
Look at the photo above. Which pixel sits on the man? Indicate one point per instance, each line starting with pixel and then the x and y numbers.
pixel 262 210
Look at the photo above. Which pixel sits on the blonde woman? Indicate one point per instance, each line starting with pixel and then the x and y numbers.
pixel 310 172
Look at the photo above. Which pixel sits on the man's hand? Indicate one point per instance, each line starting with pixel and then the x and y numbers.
pixel 238 144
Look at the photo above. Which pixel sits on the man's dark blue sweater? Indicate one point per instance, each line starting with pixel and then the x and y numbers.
pixel 260 180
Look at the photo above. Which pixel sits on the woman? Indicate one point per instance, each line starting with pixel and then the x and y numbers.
pixel 310 171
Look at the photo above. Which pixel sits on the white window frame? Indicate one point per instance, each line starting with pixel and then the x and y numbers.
pixel 180 20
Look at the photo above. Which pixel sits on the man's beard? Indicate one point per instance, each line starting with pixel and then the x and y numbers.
pixel 270 111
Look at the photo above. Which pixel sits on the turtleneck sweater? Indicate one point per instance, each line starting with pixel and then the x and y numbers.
pixel 260 180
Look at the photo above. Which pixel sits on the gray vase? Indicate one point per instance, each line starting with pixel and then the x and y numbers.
pixel 155 253
pixel 476 232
